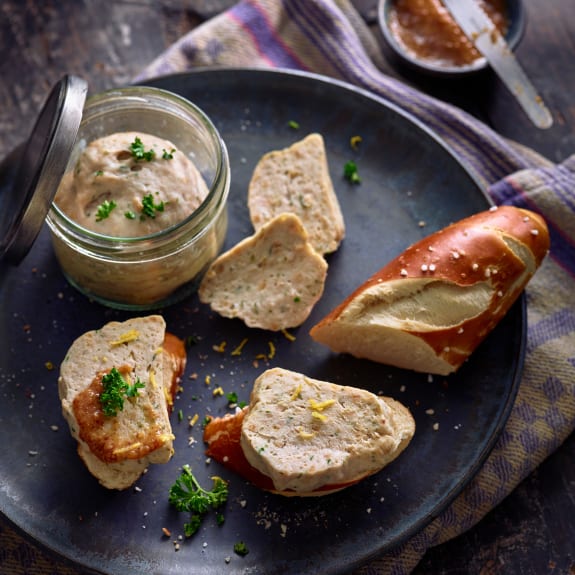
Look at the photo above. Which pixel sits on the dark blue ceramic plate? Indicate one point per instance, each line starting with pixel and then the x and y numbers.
pixel 408 176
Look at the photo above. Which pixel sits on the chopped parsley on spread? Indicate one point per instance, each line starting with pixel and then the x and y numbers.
pixel 168 154
pixel 105 209
pixel 115 389
pixel 149 208
pixel 139 152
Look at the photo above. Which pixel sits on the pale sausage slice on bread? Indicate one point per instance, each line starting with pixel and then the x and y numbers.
pixel 429 308
pixel 305 437
pixel 270 280
pixel 297 180
pixel 117 449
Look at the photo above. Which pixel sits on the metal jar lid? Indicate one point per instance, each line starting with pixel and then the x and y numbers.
pixel 30 175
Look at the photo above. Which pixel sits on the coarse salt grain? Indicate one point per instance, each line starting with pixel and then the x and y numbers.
pixel 403 272
pixel 423 267
pixel 534 232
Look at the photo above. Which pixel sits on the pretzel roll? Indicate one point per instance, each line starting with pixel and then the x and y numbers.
pixel 428 309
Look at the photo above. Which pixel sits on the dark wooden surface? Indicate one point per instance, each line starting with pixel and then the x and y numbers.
pixel 533 531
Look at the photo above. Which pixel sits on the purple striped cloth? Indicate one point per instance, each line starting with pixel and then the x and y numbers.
pixel 329 37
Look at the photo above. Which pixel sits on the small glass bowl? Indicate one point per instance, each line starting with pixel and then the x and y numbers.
pixel 160 269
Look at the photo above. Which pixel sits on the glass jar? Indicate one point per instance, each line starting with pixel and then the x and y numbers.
pixel 156 270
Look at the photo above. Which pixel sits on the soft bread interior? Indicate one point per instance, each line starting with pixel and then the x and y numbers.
pixel 270 280
pixel 418 305
pixel 382 344
pixel 297 180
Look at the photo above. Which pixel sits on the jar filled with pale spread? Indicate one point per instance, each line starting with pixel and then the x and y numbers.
pixel 141 210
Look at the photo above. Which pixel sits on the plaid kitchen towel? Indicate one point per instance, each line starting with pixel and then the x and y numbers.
pixel 329 37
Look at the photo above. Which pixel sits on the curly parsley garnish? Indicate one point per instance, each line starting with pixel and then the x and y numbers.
pixel 186 494
pixel 139 152
pixel 350 172
pixel 105 209
pixel 149 208
pixel 115 389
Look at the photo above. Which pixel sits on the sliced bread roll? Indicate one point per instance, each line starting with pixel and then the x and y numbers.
pixel 270 280
pixel 297 180
pixel 305 437
pixel 117 448
pixel 429 308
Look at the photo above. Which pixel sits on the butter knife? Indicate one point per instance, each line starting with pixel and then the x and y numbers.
pixel 490 43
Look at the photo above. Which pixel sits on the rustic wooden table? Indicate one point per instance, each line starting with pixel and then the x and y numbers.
pixel 533 531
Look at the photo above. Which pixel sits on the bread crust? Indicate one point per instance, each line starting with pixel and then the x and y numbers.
pixel 429 308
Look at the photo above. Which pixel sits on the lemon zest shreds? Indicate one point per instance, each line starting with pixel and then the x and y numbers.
pixel 305 434
pixel 127 448
pixel 220 348
pixel 208 379
pixel 355 141
pixel 272 351
pixel 126 337
pixel 218 391
pixel 296 393
pixel 321 405
pixel 318 415
pixel 288 335
pixel 168 396
pixel 238 349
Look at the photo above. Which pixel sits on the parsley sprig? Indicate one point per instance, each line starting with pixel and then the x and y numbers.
pixel 149 207
pixel 115 389
pixel 105 209
pixel 186 494
pixel 139 151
